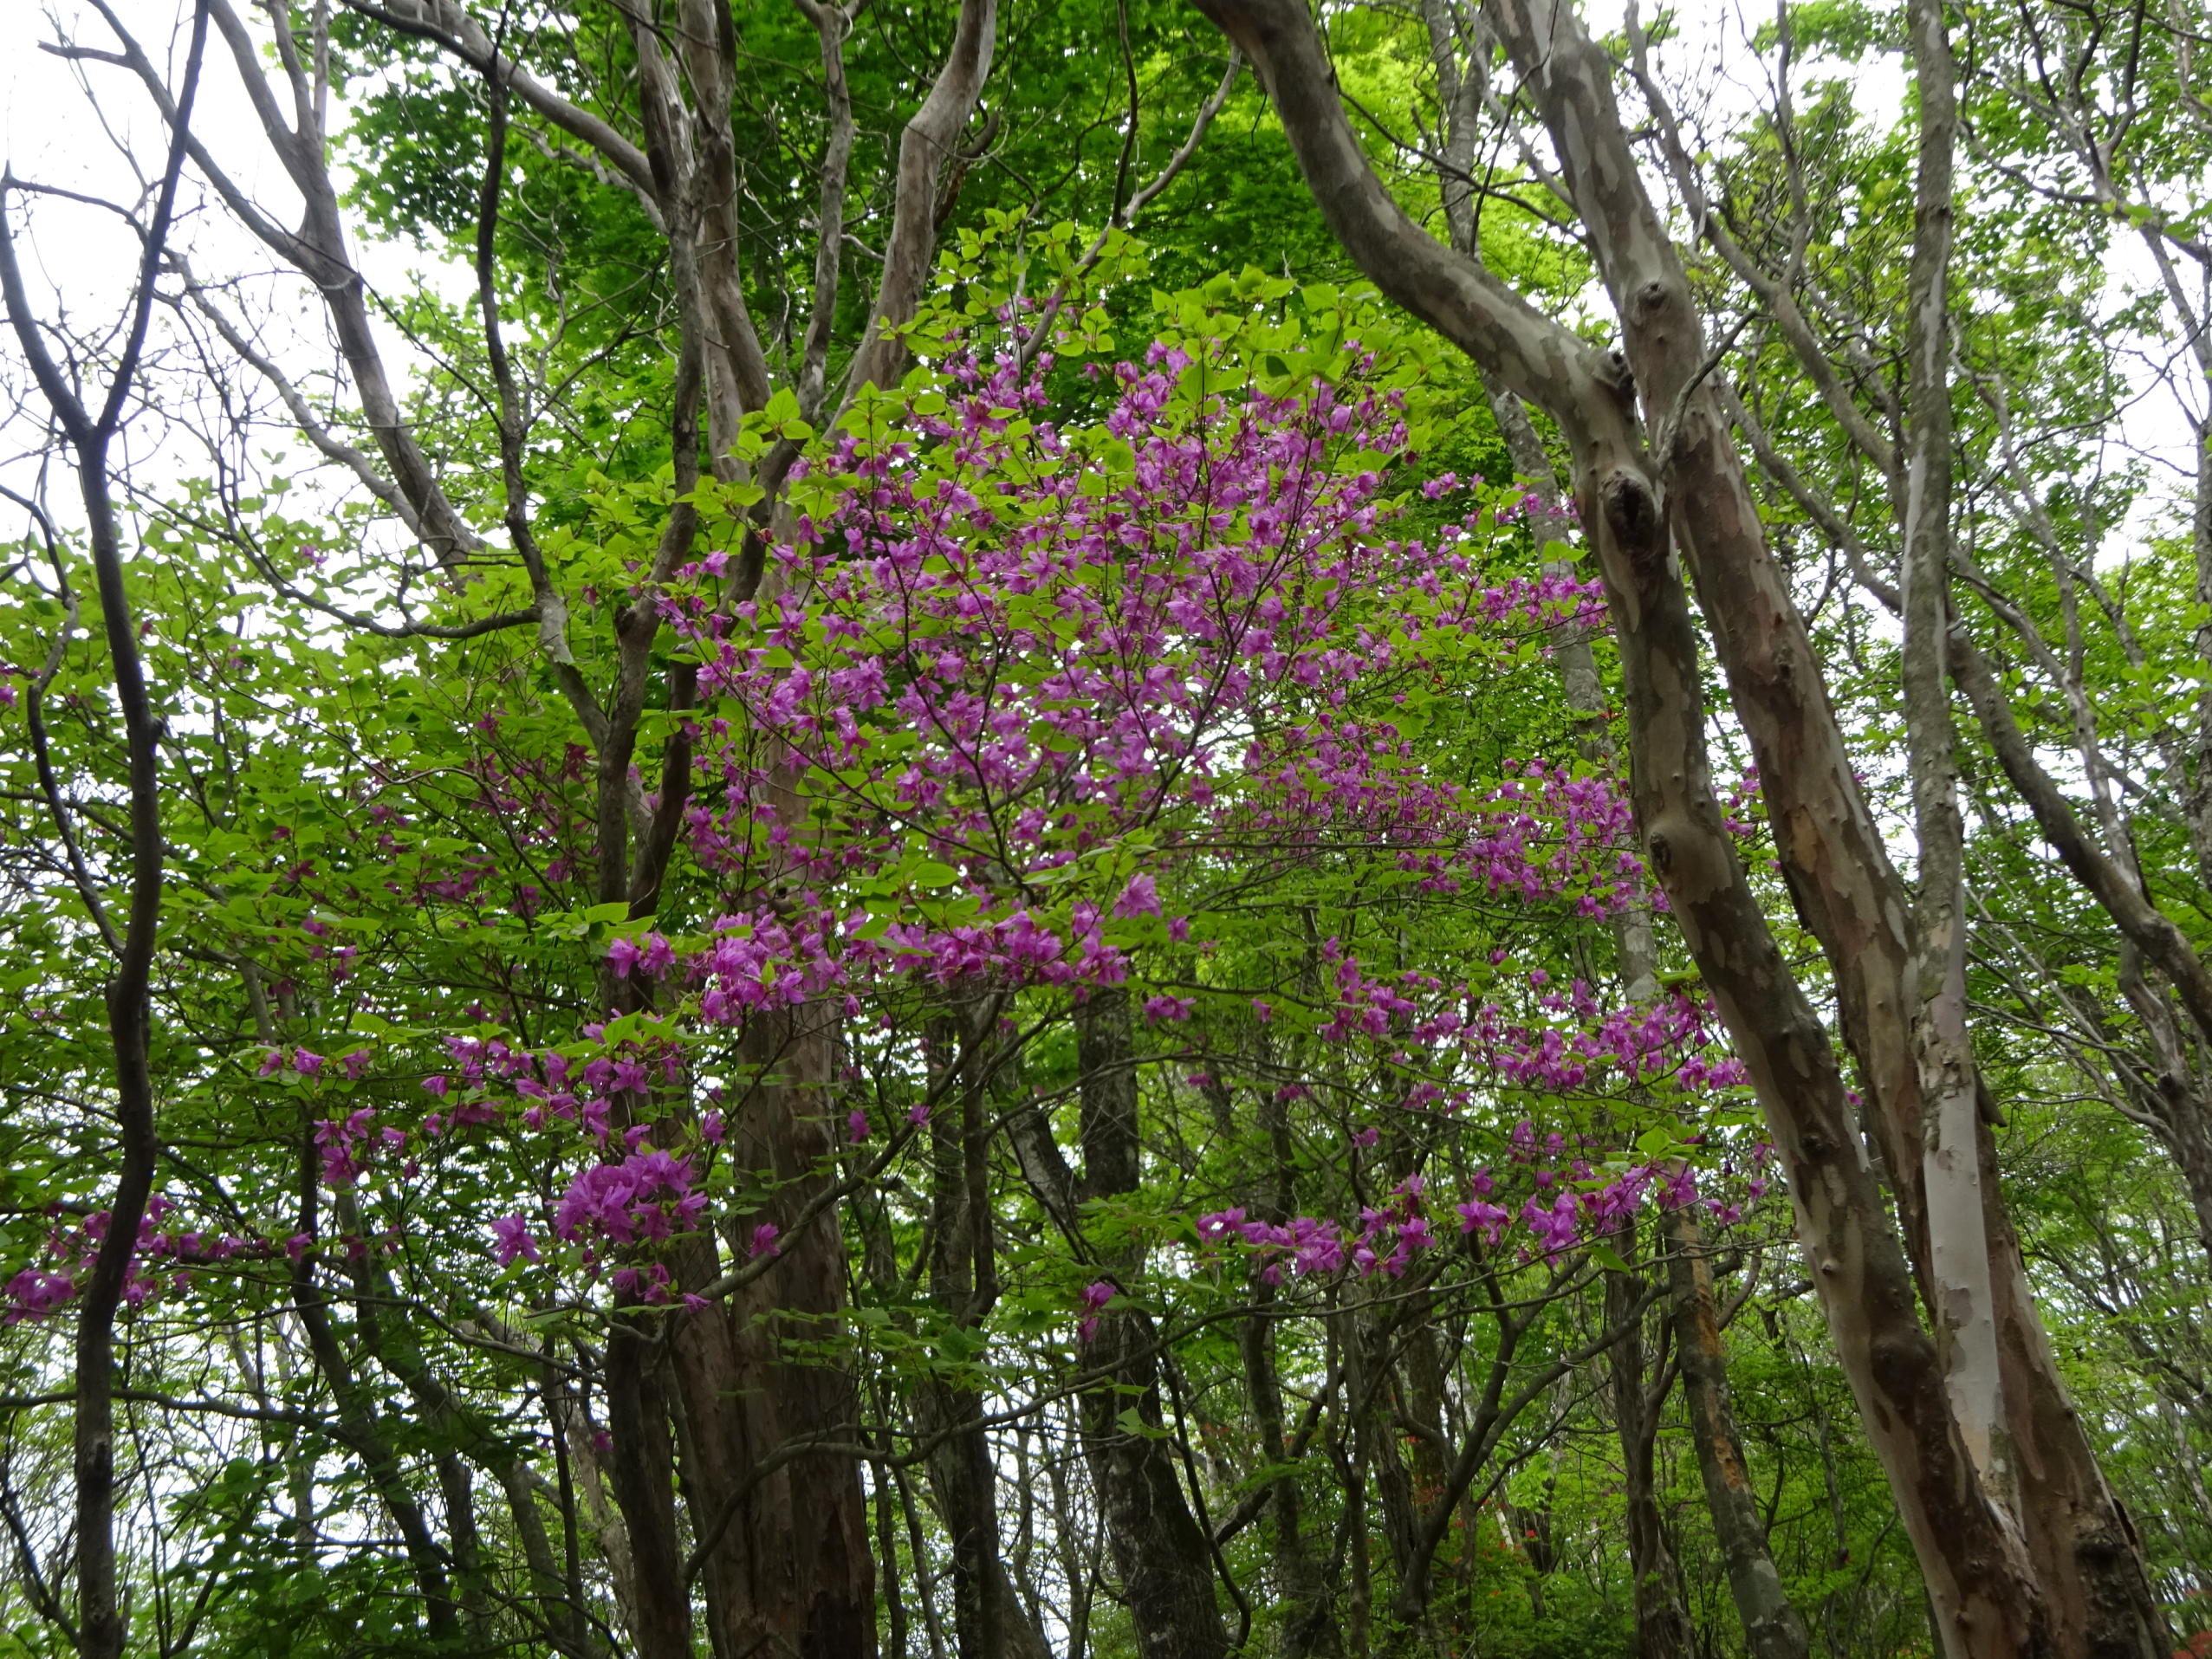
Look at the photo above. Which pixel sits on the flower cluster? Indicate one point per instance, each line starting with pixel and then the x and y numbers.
pixel 998 648
pixel 1564 1210
pixel 647 1196
pixel 162 1254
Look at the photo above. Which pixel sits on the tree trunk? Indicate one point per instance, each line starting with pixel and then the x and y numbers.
pixel 102 1617
pixel 1831 852
pixel 1309 1627
pixel 1309 1624
pixel 2200 540
pixel 1772 1628
pixel 989 1621
pixel 1662 1628
pixel 782 1545
pixel 1162 1554
pixel 643 1459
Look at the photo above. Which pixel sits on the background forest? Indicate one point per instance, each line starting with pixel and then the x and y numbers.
pixel 993 829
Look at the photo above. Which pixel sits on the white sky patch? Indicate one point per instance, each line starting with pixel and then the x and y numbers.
pixel 91 128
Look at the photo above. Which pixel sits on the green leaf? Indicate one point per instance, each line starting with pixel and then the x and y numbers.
pixel 1608 1258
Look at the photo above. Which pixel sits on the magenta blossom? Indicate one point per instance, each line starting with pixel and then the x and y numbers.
pixel 1490 1220
pixel 1094 1300
pixel 1139 898
pixel 511 1238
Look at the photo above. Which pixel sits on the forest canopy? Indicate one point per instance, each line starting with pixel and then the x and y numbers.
pixel 994 830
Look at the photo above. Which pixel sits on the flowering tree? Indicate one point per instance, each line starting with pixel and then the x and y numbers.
pixel 1108 922
pixel 785 927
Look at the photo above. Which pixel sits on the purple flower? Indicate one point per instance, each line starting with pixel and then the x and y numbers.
pixel 1094 1298
pixel 33 1295
pixel 856 1125
pixel 1139 898
pixel 1553 1225
pixel 764 1237
pixel 306 1064
pixel 511 1238
pixel 1490 1220
pixel 624 954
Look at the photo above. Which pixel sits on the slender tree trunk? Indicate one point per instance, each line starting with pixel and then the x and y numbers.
pixel 1309 1627
pixel 1368 1379
pixel 642 1465
pixel 1662 1628
pixel 1772 1627
pixel 380 1462
pixel 959 1274
pixel 1420 1382
pixel 2200 540
pixel 386 1335
pixel 989 1619
pixel 1309 1624
pixel 1958 1267
pixel 577 1455
pixel 1162 1555
pixel 965 1486
pixel 102 1626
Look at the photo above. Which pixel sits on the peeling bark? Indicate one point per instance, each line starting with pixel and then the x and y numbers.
pixel 781 1536
pixel 1958 1266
